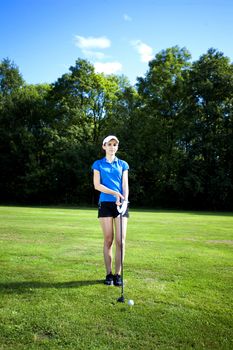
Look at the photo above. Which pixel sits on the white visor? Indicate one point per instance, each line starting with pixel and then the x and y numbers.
pixel 109 138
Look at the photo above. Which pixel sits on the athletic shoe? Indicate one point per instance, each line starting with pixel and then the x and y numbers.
pixel 109 280
pixel 117 280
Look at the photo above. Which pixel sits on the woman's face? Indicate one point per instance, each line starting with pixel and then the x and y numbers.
pixel 111 147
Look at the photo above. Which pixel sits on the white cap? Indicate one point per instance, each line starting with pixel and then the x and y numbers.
pixel 109 138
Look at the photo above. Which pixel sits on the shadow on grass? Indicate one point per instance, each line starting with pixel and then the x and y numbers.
pixel 22 287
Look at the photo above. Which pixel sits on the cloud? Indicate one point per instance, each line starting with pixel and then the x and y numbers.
pixel 144 50
pixel 91 46
pixel 127 18
pixel 94 54
pixel 108 67
pixel 91 42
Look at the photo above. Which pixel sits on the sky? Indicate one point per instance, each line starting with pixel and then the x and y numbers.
pixel 45 37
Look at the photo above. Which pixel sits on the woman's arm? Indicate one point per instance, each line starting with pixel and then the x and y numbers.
pixel 99 187
pixel 125 185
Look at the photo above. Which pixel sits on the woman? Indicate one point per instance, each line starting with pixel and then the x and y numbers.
pixel 110 177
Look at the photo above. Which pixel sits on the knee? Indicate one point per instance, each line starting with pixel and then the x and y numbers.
pixel 118 243
pixel 108 242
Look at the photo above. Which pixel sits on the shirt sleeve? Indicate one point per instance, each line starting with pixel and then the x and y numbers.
pixel 125 166
pixel 96 165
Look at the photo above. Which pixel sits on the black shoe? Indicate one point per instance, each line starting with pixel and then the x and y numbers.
pixel 109 280
pixel 117 280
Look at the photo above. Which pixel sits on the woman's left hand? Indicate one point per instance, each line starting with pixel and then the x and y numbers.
pixel 118 199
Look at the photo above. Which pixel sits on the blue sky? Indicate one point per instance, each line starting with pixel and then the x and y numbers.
pixel 45 37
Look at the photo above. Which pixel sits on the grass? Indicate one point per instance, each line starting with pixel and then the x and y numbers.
pixel 178 271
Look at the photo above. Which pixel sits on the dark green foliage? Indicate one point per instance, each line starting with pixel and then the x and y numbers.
pixel 175 129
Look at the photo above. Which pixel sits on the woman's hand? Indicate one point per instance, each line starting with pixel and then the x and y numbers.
pixel 119 196
pixel 122 209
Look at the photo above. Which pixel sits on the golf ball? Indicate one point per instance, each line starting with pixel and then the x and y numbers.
pixel 130 302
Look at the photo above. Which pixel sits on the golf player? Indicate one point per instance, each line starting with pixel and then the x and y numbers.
pixel 110 177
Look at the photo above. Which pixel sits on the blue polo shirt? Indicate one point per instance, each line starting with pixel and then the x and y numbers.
pixel 110 176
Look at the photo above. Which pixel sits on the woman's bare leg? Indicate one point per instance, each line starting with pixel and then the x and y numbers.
pixel 107 228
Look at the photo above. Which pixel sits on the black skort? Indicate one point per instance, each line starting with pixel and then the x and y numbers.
pixel 109 209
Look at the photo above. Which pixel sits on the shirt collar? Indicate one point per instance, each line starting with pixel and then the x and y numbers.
pixel 106 161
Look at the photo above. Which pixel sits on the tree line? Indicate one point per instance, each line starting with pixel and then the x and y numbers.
pixel 175 128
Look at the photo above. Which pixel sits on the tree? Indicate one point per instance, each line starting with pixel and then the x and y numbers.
pixel 10 83
pixel 175 130
pixel 10 78
pixel 82 104
pixel 23 134
pixel 209 167
pixel 163 120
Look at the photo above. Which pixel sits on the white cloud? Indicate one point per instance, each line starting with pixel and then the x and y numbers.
pixel 127 18
pixel 108 67
pixel 144 50
pixel 89 47
pixel 94 54
pixel 91 42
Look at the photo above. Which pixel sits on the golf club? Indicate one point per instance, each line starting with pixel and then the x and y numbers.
pixel 121 299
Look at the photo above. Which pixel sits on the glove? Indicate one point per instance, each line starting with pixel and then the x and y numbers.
pixel 122 208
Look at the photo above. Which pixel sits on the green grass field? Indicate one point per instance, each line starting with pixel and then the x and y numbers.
pixel 178 271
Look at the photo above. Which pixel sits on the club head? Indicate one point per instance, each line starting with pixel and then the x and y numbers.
pixel 121 299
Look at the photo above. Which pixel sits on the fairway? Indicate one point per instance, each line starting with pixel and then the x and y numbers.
pixel 178 270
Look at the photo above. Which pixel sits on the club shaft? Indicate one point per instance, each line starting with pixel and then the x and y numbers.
pixel 122 270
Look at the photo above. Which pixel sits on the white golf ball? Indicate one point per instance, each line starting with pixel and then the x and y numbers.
pixel 130 302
